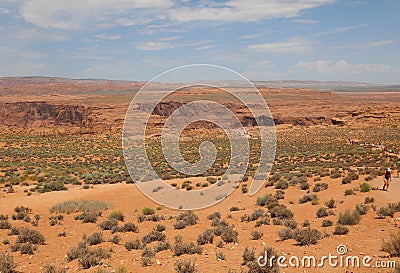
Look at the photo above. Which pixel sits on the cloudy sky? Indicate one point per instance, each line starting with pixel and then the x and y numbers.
pixel 351 40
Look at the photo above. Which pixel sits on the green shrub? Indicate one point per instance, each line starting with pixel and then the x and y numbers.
pixel 348 218
pixel 148 211
pixel 117 215
pixel 365 187
pixel 307 198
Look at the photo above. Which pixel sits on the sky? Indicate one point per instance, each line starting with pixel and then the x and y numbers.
pixel 326 40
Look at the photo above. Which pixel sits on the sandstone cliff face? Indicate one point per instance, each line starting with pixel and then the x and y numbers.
pixel 41 114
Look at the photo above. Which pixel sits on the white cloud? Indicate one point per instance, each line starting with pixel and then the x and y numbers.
pixel 4 11
pixel 155 45
pixel 167 43
pixel 251 36
pixel 340 67
pixel 341 29
pixel 244 11
pixel 292 45
pixel 76 14
pixel 304 21
pixel 380 43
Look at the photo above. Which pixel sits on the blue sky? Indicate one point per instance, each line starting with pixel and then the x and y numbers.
pixel 350 40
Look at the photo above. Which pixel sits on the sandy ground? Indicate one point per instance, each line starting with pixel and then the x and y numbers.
pixel 363 239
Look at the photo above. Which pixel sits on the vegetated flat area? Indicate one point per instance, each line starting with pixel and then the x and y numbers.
pixel 324 189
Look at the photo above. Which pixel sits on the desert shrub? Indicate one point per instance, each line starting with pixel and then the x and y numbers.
pixel 94 239
pixel 3 217
pixel 5 224
pixel 185 266
pixel 148 211
pixel 48 187
pixel 346 180
pixel 348 218
pixel 362 209
pixel 277 222
pixel 331 203
pixel 24 248
pixel 214 215
pixel 87 217
pixel 285 234
pixel 115 239
pixel 304 186
pixel 53 269
pixel 265 221
pixel 282 185
pixel 341 230
pixel 266 200
pixel 281 211
pixel 349 192
pixel 254 216
pixel 129 227
pixel 254 267
pixel 307 198
pixel 369 200
pixel 152 218
pixel 147 256
pixel 108 224
pixel 181 247
pixel 291 223
pixel 153 236
pixel 207 237
pixel 7 264
pixel 386 211
pixel 365 187
pixel 220 256
pixel 116 215
pixel 234 209
pixel 26 235
pixel 186 219
pixel 162 246
pixel 248 255
pixel 55 220
pixel 307 236
pixel 306 223
pixel 392 245
pixel 160 227
pixel 133 244
pixel 220 244
pixel 327 223
pixel 229 234
pixel 322 212
pixel 256 234
pixel 87 257
pixel 80 206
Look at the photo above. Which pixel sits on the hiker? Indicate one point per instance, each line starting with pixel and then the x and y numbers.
pixel 398 169
pixel 387 179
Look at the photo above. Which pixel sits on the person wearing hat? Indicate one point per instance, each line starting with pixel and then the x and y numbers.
pixel 387 179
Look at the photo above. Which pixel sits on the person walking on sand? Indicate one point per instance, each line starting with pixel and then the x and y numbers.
pixel 398 168
pixel 387 179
